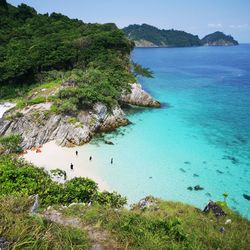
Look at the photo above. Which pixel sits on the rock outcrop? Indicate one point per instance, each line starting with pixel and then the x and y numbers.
pixel 38 126
pixel 139 97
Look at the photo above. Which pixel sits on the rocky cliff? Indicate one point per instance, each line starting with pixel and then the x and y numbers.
pixel 139 97
pixel 38 125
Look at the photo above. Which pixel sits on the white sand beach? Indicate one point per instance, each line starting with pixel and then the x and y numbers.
pixel 54 156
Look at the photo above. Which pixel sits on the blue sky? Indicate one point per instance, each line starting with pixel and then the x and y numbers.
pixel 199 17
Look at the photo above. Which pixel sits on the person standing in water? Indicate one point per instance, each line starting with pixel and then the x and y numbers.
pixel 111 161
pixel 90 158
pixel 71 166
pixel 76 153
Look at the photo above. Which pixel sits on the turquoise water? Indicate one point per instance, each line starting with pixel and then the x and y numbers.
pixel 201 136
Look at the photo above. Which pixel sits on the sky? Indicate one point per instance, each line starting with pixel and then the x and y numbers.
pixel 199 17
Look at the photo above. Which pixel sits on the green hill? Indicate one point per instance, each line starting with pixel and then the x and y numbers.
pixel 36 48
pixel 218 39
pixel 149 36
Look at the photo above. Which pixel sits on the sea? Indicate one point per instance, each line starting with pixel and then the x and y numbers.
pixel 199 138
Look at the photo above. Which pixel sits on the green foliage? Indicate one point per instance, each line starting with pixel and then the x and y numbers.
pixel 170 38
pixel 140 71
pixel 93 85
pixel 218 37
pixel 54 49
pixel 72 120
pixel 37 100
pixel 11 143
pixel 59 173
pixel 166 225
pixel 225 195
pixel 23 231
pixel 20 178
pixel 32 44
pixel 14 116
pixel 110 199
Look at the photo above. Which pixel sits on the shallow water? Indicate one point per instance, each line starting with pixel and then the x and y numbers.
pixel 200 137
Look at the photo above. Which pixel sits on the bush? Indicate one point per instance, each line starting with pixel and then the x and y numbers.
pixel 37 100
pixel 72 120
pixel 11 143
pixel 110 199
pixel 19 177
pixel 14 116
pixel 67 107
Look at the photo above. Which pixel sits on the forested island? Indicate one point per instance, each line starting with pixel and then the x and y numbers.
pixel 218 39
pixel 67 81
pixel 149 36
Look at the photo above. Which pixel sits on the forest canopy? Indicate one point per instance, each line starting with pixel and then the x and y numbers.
pixel 32 43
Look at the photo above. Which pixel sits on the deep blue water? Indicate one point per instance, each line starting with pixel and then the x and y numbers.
pixel 201 136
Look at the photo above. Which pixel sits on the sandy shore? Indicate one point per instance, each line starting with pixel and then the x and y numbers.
pixel 54 156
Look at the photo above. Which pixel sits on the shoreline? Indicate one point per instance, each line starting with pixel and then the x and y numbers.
pixel 53 156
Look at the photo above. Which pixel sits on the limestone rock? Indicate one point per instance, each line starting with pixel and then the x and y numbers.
pixel 37 127
pixel 139 97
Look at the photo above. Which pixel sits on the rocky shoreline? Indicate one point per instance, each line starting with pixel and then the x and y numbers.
pixel 38 126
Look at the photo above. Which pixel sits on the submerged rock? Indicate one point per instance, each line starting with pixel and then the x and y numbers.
pixel 219 172
pixel 109 142
pixel 247 197
pixel 231 158
pixel 195 188
pixel 198 188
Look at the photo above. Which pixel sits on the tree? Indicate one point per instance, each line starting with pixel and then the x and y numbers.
pixel 140 71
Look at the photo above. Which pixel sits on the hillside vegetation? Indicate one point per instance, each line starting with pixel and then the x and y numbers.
pixel 36 48
pixel 149 36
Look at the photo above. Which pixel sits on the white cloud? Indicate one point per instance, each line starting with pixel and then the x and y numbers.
pixel 239 26
pixel 215 25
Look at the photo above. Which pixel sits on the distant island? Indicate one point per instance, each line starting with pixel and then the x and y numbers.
pixel 149 36
pixel 218 39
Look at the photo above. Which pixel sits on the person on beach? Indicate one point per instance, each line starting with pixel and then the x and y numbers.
pixel 90 158
pixel 71 166
pixel 111 161
pixel 65 175
pixel 76 153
